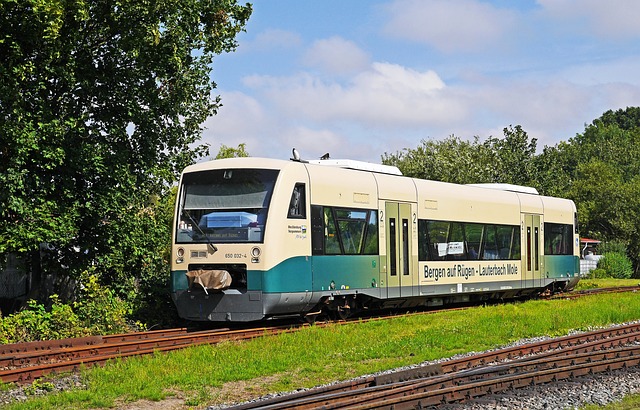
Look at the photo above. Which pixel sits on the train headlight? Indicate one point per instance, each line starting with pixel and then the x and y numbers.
pixel 180 253
pixel 255 254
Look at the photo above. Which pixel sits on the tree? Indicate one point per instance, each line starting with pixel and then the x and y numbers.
pixel 230 152
pixel 507 160
pixel 513 157
pixel 603 164
pixel 101 104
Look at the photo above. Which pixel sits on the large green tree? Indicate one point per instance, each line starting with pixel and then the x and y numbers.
pixel 101 105
pixel 603 164
pixel 599 169
pixel 496 160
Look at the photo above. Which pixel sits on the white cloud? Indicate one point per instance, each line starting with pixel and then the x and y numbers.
pixel 450 26
pixel 272 39
pixel 312 143
pixel 611 19
pixel 388 107
pixel 386 94
pixel 618 70
pixel 241 119
pixel 336 55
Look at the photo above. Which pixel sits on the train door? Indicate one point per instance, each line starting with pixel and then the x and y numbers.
pixel 531 250
pixel 399 234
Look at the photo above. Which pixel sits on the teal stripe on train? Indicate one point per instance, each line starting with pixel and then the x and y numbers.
pixel 179 280
pixel 561 266
pixel 294 274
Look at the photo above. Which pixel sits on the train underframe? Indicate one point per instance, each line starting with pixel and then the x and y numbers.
pixel 242 305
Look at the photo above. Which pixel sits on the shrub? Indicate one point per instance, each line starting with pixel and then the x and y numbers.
pixel 598 274
pixel 616 264
pixel 97 311
pixel 616 246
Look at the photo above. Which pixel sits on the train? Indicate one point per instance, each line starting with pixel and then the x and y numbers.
pixel 256 239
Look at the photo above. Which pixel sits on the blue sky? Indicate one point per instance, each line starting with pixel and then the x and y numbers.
pixel 358 78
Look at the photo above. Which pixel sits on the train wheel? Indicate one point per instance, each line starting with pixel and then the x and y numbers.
pixel 311 318
pixel 343 312
pixel 317 316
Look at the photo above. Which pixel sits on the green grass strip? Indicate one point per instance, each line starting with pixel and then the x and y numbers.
pixel 231 371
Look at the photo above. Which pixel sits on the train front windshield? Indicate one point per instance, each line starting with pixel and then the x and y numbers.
pixel 228 205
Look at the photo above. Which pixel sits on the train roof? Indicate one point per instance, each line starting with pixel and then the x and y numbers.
pixel 279 164
pixel 509 187
pixel 358 165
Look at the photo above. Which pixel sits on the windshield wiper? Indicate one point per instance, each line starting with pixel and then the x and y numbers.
pixel 213 248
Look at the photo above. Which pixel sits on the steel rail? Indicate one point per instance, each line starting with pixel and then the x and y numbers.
pixel 405 382
pixel 24 362
pixel 491 381
pixel 28 365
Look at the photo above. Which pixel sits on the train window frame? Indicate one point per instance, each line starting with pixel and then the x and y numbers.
pixel 558 239
pixel 333 233
pixel 332 243
pixel 463 238
pixel 298 202
pixel 210 198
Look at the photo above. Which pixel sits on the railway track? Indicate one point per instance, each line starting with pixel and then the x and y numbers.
pixel 25 362
pixel 466 379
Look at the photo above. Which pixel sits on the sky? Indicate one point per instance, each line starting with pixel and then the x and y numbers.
pixel 361 78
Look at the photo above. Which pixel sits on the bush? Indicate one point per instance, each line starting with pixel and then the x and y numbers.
pixel 598 274
pixel 97 311
pixel 616 264
pixel 37 323
pixel 615 246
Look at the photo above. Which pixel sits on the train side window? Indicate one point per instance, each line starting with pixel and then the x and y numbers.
pixel 504 239
pixel 489 244
pixel 437 232
pixel 405 246
pixel 331 240
pixel 515 247
pixel 317 230
pixel 558 239
pixel 442 240
pixel 371 241
pixel 473 235
pixel 537 247
pixel 455 243
pixel 423 240
pixel 392 246
pixel 297 205
pixel 352 227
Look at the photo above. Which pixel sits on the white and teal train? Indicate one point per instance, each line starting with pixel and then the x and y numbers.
pixel 259 238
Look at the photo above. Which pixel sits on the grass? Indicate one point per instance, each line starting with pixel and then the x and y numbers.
pixel 585 284
pixel 631 402
pixel 232 371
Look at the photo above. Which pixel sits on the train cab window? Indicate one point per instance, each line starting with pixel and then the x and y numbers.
pixel 224 205
pixel 297 205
